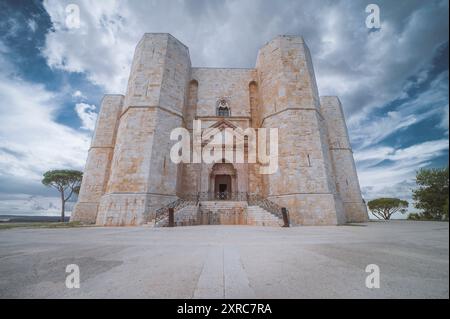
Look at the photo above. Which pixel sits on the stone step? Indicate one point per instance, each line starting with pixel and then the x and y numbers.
pixel 260 217
pixel 251 215
pixel 223 203
pixel 183 217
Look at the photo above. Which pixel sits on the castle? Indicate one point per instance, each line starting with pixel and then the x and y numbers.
pixel 129 178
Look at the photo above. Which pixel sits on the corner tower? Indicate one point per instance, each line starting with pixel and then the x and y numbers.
pixel 346 178
pixel 290 102
pixel 142 176
pixel 97 168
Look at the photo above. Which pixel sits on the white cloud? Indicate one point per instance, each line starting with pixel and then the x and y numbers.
pixel 32 25
pixel 395 178
pixel 370 129
pixel 100 47
pixel 31 141
pixel 445 118
pixel 411 155
pixel 78 95
pixel 10 27
pixel 87 115
pixel 366 69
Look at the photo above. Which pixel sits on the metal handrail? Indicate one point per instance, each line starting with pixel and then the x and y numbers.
pixel 231 196
pixel 178 204
pixel 193 199
pixel 268 205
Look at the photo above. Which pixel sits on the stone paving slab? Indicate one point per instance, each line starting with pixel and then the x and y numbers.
pixel 228 261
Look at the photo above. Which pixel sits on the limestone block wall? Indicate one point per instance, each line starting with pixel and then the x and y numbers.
pixel 163 172
pixel 302 183
pixel 146 76
pixel 346 177
pixel 329 167
pixel 289 102
pixel 254 179
pixel 125 209
pixel 96 171
pixel 232 84
pixel 132 154
pixel 286 76
pixel 176 75
pixel 187 216
pixel 223 213
pixel 190 179
pixel 142 176
pixel 190 111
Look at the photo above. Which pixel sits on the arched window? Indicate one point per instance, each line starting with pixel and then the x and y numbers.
pixel 191 106
pixel 223 111
pixel 222 108
pixel 253 95
pixel 193 92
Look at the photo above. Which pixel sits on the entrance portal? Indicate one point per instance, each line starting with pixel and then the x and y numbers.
pixel 222 186
pixel 222 181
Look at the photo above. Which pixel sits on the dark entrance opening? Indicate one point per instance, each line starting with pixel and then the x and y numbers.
pixel 222 187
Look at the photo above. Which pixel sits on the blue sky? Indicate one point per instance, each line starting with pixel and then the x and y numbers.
pixel 393 82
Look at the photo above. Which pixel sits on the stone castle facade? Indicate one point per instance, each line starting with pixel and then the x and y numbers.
pixel 129 178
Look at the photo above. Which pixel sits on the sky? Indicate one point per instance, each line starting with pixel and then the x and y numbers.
pixel 392 81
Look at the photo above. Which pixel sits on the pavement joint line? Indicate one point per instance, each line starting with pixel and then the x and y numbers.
pixel 221 261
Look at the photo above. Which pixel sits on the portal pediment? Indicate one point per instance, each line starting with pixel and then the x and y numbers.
pixel 224 124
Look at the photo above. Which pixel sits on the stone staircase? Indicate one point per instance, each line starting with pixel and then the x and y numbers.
pixel 220 205
pixel 223 212
pixel 186 216
pixel 256 212
pixel 258 216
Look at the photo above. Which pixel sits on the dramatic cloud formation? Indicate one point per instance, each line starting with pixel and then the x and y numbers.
pixel 393 82
pixel 32 142
pixel 87 115
pixel 364 68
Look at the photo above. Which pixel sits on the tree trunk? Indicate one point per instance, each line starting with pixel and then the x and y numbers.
pixel 386 214
pixel 63 202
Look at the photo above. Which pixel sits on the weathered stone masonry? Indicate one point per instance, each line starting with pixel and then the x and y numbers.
pixel 129 174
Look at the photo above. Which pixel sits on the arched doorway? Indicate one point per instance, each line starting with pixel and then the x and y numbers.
pixel 222 186
pixel 223 181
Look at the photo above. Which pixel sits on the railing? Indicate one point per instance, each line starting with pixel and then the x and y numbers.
pixel 178 204
pixel 193 199
pixel 232 196
pixel 251 198
pixel 271 207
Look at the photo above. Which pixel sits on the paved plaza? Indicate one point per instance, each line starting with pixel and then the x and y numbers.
pixel 228 261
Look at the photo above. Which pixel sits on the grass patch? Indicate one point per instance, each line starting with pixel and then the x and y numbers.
pixel 41 225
